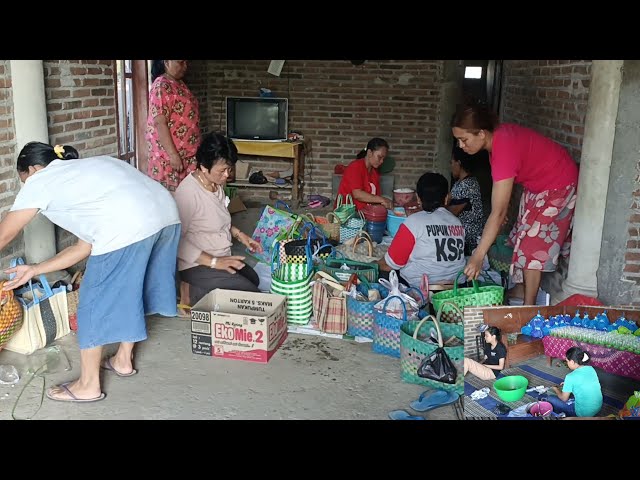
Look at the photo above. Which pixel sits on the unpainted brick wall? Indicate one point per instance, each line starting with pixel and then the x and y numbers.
pixel 549 96
pixel 338 106
pixel 631 270
pixel 472 320
pixel 81 111
pixel 9 182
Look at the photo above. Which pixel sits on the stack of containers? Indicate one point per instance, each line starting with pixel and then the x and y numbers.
pixel 375 221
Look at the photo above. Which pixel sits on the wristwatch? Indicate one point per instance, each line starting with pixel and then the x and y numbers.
pixel 214 260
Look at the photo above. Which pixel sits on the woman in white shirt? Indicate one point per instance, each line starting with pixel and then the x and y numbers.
pixel 128 226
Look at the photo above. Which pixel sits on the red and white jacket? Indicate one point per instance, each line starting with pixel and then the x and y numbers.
pixel 431 243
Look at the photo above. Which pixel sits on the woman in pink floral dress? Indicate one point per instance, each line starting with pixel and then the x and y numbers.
pixel 549 176
pixel 173 132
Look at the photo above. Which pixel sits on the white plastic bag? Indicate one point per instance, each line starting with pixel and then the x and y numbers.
pixel 394 307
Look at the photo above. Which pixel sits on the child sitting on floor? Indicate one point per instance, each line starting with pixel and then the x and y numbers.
pixel 581 394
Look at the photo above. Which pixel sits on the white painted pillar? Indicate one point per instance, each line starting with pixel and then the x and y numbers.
pixel 30 116
pixel 593 182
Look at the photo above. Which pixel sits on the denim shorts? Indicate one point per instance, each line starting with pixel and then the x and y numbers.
pixel 119 288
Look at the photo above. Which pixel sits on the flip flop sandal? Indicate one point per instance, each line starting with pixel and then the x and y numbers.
pixel 108 366
pixel 184 311
pixel 72 398
pixel 402 415
pixel 430 400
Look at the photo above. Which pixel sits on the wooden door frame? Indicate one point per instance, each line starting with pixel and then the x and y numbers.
pixel 140 83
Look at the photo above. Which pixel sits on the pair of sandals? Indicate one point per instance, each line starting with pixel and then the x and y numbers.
pixel 428 400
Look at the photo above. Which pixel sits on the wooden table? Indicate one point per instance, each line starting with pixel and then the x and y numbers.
pixel 290 151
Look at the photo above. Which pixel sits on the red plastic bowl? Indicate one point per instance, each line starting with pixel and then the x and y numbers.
pixel 374 213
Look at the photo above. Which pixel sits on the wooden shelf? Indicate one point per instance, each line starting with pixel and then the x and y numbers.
pixel 264 185
pixel 293 152
pixel 269 149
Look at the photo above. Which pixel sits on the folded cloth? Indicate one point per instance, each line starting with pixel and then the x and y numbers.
pixel 320 198
pixel 480 394
pixel 538 389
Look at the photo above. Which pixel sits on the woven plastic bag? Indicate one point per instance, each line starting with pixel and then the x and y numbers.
pixel 273 223
pixel 475 296
pixel 415 346
pixel 10 315
pixel 362 249
pixel 344 211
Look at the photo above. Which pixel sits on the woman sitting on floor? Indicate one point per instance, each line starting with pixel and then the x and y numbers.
pixel 204 254
pixel 495 354
pixel 581 385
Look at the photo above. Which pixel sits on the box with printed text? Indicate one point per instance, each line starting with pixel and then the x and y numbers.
pixel 239 325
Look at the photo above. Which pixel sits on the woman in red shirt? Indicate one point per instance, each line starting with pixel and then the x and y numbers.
pixel 549 176
pixel 361 179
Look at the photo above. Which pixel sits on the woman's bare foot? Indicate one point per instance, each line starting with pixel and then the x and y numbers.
pixel 75 392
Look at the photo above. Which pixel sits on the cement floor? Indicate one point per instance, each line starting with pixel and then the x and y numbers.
pixel 309 377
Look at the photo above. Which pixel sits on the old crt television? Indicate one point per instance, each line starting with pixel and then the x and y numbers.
pixel 257 118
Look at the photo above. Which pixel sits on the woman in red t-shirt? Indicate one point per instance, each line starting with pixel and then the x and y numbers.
pixel 361 179
pixel 549 176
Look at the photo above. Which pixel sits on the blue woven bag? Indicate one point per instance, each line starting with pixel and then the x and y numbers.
pixel 386 330
pixel 360 314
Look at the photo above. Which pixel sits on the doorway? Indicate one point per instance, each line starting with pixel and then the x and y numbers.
pixel 482 83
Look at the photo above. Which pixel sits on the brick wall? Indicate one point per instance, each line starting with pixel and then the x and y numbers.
pixel 472 319
pixel 81 111
pixel 9 182
pixel 549 96
pixel 338 106
pixel 631 270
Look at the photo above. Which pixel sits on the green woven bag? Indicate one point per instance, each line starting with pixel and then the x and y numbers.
pixel 344 211
pixel 415 346
pixel 475 296
pixel 500 254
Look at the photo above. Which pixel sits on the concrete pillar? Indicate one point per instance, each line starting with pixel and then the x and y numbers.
pixel 616 287
pixel 593 182
pixel 30 116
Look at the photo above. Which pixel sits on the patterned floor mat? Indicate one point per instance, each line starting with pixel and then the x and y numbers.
pixel 484 408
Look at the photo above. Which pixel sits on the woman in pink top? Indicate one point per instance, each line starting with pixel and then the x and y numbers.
pixel 549 176
pixel 173 132
pixel 204 254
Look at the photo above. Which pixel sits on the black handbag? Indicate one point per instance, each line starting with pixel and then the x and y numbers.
pixel 438 366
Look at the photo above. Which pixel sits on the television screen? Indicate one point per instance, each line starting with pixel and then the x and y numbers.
pixel 257 118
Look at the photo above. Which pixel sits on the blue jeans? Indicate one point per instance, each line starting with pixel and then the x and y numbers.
pixel 559 406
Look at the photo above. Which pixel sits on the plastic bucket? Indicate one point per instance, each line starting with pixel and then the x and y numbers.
pixel 402 196
pixel 394 222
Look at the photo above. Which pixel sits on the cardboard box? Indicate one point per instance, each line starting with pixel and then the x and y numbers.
pixel 239 325
pixel 236 205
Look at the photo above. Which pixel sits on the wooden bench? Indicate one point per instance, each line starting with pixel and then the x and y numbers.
pixel 510 320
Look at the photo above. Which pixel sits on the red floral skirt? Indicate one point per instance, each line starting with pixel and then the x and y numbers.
pixel 543 230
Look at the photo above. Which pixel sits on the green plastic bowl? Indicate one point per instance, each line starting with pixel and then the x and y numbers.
pixel 511 388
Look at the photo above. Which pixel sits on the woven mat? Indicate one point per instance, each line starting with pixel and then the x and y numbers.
pixel 483 408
